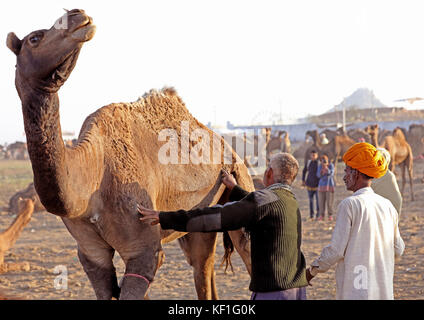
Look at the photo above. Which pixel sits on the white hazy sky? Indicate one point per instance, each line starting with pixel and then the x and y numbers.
pixel 229 60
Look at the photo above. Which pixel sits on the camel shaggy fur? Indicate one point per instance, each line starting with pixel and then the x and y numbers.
pixel 96 185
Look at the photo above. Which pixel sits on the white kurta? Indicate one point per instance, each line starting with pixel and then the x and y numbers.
pixel 364 244
pixel 387 187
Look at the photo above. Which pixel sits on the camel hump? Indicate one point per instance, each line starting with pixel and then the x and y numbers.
pixel 166 91
pixel 398 134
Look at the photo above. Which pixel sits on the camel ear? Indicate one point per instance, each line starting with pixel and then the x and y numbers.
pixel 13 43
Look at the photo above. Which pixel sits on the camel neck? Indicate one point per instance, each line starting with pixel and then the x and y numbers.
pixel 317 140
pixel 45 145
pixel 375 139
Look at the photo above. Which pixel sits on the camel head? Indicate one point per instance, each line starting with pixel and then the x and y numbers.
pixel 311 134
pixel 280 133
pixel 372 129
pixel 46 58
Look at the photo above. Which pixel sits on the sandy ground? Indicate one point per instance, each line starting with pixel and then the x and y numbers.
pixel 45 244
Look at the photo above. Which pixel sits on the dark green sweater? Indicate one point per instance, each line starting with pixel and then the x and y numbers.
pixel 272 217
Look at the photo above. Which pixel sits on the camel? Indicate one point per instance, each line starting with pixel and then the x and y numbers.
pixel 330 134
pixel 278 144
pixel 2 152
pixel 11 234
pixel 27 193
pixel 414 138
pixel 400 153
pixel 335 149
pixel 120 160
pixel 358 134
pixel 17 151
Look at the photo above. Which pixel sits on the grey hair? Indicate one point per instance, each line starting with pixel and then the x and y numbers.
pixel 285 167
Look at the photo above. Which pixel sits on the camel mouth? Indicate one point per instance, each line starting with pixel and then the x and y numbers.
pixel 65 67
pixel 84 31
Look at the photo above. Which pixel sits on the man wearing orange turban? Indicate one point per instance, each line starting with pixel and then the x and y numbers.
pixel 366 236
pixel 365 158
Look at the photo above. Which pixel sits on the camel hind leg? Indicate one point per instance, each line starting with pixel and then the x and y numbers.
pixel 411 177
pixel 403 171
pixel 199 249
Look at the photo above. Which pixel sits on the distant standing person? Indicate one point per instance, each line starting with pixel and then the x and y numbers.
pixel 325 174
pixel 366 238
pixel 310 180
pixel 387 185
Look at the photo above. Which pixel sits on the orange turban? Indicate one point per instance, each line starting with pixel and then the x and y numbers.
pixel 365 158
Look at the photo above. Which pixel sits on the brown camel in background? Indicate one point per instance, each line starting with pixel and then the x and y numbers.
pixel 400 153
pixel 118 162
pixel 11 234
pixel 279 143
pixel 27 193
pixel 414 137
pixel 334 149
pixel 17 151
pixel 358 134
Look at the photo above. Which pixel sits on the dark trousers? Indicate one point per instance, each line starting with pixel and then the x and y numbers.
pixel 289 294
pixel 311 194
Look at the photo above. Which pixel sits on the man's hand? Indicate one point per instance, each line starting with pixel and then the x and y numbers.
pixel 148 214
pixel 228 179
pixel 310 274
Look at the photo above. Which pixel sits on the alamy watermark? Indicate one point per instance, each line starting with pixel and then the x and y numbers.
pixel 62 22
pixel 200 146
pixel 61 281
pixel 360 282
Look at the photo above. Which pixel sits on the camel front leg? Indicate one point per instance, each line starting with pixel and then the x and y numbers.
pixel 96 257
pixel 403 169
pixel 411 181
pixel 101 273
pixel 136 280
pixel 199 249
pixel 141 265
pixel 241 243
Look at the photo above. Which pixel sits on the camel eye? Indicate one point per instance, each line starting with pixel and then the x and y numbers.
pixel 35 39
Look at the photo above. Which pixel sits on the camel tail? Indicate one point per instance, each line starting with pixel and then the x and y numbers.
pixel 229 249
pixel 228 244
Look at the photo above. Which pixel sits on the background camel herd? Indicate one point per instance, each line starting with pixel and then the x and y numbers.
pixel 94 183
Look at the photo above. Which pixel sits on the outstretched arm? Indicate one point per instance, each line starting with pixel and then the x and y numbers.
pixel 231 216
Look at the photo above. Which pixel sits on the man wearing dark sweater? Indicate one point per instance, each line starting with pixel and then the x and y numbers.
pixel 272 218
pixel 311 180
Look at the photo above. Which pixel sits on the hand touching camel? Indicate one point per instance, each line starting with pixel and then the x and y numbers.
pixel 148 214
pixel 228 179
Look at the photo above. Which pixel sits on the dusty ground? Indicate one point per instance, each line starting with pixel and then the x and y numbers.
pixel 45 244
